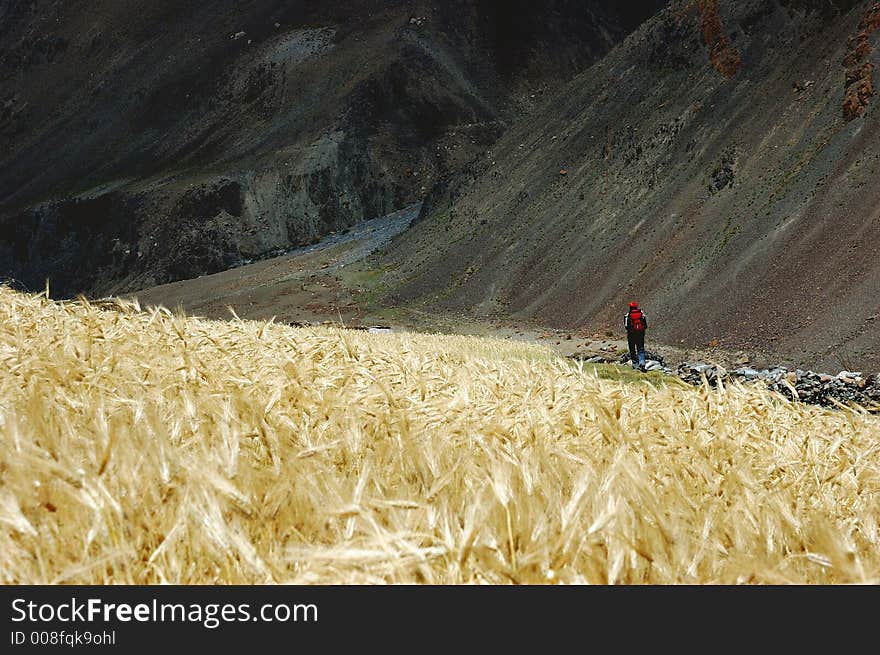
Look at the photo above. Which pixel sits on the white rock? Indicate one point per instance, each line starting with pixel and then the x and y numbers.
pixel 747 372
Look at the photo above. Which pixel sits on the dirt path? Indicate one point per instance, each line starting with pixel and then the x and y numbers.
pixel 365 238
pixel 305 285
pixel 331 282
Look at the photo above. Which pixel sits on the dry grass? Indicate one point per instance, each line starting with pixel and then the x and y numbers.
pixel 142 447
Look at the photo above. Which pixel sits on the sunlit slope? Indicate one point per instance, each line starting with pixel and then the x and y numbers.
pixel 141 447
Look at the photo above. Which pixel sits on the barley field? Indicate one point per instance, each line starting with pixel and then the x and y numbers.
pixel 139 447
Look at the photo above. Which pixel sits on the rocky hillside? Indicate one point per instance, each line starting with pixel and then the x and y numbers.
pixel 144 142
pixel 720 166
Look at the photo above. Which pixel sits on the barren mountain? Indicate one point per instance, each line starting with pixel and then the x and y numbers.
pixel 148 141
pixel 720 166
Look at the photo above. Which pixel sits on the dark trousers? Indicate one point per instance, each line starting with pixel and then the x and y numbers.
pixel 636 342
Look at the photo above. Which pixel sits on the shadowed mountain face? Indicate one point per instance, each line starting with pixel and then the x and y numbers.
pixel 143 142
pixel 720 165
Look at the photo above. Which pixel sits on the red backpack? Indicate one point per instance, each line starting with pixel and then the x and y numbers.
pixel 637 320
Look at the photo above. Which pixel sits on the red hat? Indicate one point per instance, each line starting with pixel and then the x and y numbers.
pixel 633 305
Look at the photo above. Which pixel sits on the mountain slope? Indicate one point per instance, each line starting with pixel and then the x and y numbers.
pixel 711 166
pixel 143 142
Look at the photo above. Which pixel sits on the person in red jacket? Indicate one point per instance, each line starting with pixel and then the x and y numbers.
pixel 636 323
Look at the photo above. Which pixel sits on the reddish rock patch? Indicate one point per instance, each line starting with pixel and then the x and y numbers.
pixel 722 53
pixel 859 84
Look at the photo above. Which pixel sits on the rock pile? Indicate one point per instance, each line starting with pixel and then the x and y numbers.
pixel 847 387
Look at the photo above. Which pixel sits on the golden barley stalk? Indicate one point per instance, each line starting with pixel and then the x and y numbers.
pixel 138 446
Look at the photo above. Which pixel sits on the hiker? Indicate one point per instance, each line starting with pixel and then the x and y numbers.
pixel 636 322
